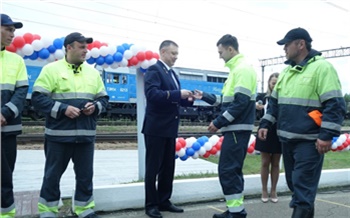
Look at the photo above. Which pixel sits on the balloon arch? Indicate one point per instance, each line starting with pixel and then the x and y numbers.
pixel 34 47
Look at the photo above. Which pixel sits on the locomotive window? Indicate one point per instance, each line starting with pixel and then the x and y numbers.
pixel 124 80
pixel 116 78
pixel 216 79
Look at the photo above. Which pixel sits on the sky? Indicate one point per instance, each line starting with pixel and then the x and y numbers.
pixel 195 25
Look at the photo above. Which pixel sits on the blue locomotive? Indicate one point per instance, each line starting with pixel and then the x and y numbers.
pixel 120 85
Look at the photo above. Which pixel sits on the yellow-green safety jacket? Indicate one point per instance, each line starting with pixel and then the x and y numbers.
pixel 238 97
pixel 57 87
pixel 14 88
pixel 300 89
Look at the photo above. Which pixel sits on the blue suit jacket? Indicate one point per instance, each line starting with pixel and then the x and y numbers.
pixel 163 102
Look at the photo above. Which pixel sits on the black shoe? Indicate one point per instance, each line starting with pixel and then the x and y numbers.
pixel 300 212
pixel 228 214
pixel 92 215
pixel 154 213
pixel 171 208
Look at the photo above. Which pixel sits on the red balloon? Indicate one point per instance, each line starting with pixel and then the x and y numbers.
pixel 206 155
pixel 133 61
pixel 218 145
pixel 178 146
pixel 182 141
pixel 221 139
pixel 141 56
pixel 348 140
pixel 253 144
pixel 18 42
pixel 104 44
pixel 148 55
pixel 96 44
pixel 90 46
pixel 36 36
pixel 213 150
pixel 250 149
pixel 11 48
pixel 156 55
pixel 28 38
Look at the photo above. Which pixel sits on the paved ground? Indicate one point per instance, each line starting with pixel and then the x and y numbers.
pixel 116 167
pixel 329 204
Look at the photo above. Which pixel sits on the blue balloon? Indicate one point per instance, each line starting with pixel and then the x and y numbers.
pixel 334 139
pixel 184 157
pixel 44 53
pixel 51 49
pixel 118 57
pixel 205 138
pixel 100 60
pixel 190 151
pixel 126 46
pixel 109 59
pixel 143 70
pixel 120 49
pixel 33 56
pixel 58 43
pixel 196 146
pixel 200 141
pixel 91 60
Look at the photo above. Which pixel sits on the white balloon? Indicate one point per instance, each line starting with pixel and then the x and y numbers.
pixel 95 52
pixel 214 139
pixel 37 45
pixel 218 154
pixel 59 54
pixel 88 55
pixel 202 151
pixel 190 141
pixel 195 155
pixel 144 64
pixel 334 146
pixel 112 49
pixel 135 49
pixel 27 49
pixel 104 51
pixel 181 152
pixel 342 138
pixel 152 61
pixel 46 42
pixel 51 58
pixel 20 52
pixel 114 65
pixel 127 54
pixel 124 63
pixel 208 146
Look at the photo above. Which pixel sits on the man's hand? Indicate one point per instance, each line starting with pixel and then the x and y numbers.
pixel 212 128
pixel 72 112
pixel 197 94
pixel 88 109
pixel 262 133
pixel 185 93
pixel 323 146
pixel 3 120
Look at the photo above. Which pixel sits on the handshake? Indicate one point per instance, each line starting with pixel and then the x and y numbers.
pixel 191 95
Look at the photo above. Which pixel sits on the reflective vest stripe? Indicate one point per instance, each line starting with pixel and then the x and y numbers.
pixel 82 208
pixel 8 212
pixel 47 209
pixel 11 128
pixel 290 135
pixel 71 132
pixel 234 202
pixel 237 127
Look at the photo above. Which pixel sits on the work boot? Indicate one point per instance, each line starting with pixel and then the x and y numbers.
pixel 300 212
pixel 228 214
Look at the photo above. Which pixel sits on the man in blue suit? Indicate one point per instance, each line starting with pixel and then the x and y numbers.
pixel 160 128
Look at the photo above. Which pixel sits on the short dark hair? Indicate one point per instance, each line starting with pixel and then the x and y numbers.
pixel 166 43
pixel 228 40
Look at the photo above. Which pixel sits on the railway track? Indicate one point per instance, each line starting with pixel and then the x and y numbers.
pixel 115 137
pixel 121 137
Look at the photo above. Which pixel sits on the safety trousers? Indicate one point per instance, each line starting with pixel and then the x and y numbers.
pixel 58 156
pixel 8 159
pixel 232 155
pixel 303 167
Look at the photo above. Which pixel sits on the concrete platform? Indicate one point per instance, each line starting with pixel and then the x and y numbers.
pixel 115 169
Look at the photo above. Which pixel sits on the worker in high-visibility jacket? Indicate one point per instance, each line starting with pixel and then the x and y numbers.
pixel 71 94
pixel 309 108
pixel 14 88
pixel 236 123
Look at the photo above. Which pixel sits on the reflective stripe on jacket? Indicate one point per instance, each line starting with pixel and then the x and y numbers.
pixel 300 90
pixel 14 88
pixel 56 88
pixel 238 97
